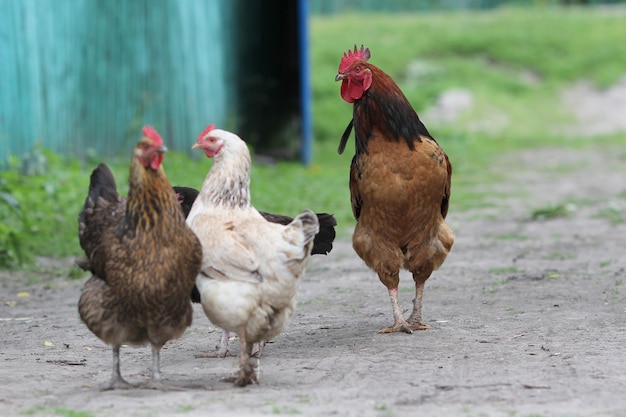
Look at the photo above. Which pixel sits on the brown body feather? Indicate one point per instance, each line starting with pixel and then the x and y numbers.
pixel 143 257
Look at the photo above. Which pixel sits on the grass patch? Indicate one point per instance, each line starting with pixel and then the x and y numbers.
pixel 494 287
pixel 559 256
pixel 282 409
pixel 550 212
pixel 59 411
pixel 503 270
pixel 613 214
pixel 512 236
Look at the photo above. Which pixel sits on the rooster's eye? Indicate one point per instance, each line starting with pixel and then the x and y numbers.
pixel 357 69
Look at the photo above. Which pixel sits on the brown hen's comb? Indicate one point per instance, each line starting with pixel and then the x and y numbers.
pixel 150 132
pixel 350 57
pixel 205 131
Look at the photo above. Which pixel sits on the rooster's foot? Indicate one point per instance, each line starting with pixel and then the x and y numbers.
pixel 398 326
pixel 418 326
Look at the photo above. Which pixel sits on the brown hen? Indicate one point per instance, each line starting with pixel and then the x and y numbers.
pixel 143 257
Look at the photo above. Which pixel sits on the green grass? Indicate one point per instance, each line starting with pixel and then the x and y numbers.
pixel 512 61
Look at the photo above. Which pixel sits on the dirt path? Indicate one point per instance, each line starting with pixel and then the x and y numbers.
pixel 528 318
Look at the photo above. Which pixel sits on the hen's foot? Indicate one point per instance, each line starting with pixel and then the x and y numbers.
pixel 245 376
pixel 119 383
pixel 213 354
pixel 257 349
pixel 398 326
pixel 159 386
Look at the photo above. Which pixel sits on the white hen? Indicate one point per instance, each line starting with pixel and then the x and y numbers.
pixel 250 267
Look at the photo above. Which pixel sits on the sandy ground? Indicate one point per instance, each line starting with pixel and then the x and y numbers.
pixel 528 319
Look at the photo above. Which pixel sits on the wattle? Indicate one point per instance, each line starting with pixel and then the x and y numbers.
pixel 156 162
pixel 351 91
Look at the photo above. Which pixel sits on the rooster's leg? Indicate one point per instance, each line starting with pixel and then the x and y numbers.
pixel 399 325
pixel 117 382
pixel 415 319
pixel 221 351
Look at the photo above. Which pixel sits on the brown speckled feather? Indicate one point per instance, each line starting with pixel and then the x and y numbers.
pixel 398 199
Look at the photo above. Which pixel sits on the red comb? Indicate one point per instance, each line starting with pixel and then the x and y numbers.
pixel 205 131
pixel 350 57
pixel 150 132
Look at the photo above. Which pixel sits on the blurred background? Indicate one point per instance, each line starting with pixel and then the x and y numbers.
pixel 80 77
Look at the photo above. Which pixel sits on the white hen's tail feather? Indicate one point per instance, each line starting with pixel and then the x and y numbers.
pixel 301 231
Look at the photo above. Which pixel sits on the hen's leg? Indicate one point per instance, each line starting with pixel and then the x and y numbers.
pixel 399 325
pixel 247 374
pixel 257 349
pixel 117 382
pixel 155 380
pixel 415 319
pixel 221 351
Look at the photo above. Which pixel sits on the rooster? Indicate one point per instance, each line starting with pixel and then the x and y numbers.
pixel 250 267
pixel 399 184
pixel 143 258
pixel 322 245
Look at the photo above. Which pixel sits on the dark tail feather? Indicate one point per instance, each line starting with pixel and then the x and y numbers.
pixel 186 196
pixel 102 184
pixel 195 295
pixel 344 137
pixel 323 242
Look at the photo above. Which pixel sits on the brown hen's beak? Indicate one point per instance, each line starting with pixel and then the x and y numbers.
pixel 196 146
pixel 161 149
pixel 340 76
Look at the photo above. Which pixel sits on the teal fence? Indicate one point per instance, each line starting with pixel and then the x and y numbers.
pixel 83 76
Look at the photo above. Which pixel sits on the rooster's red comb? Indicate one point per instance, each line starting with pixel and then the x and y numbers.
pixel 150 132
pixel 205 131
pixel 350 57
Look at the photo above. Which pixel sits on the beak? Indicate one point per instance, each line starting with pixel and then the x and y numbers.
pixel 161 149
pixel 196 146
pixel 340 76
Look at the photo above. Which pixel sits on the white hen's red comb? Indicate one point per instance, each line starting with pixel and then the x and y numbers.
pixel 350 57
pixel 205 131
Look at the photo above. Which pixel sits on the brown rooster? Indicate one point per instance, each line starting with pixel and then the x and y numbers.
pixel 399 184
pixel 143 258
